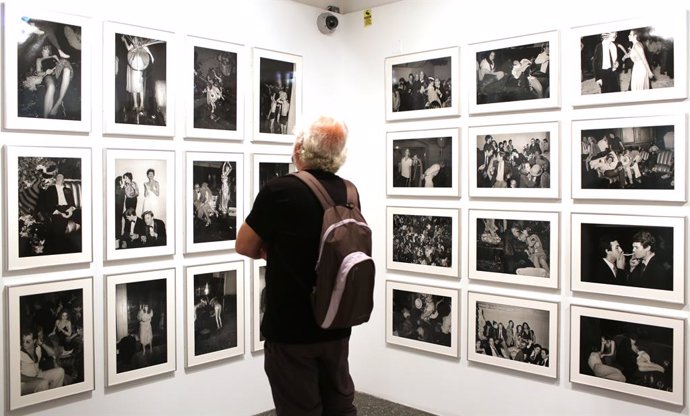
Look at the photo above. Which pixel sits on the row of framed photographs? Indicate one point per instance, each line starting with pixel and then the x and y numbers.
pixel 626 61
pixel 612 159
pixel 47 80
pixel 627 352
pixel 51 327
pixel 634 256
pixel 49 202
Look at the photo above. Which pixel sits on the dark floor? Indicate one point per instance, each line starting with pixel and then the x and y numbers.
pixel 368 405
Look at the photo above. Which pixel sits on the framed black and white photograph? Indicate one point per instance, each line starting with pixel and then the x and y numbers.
pixel 140 203
pixel 629 255
pixel 423 163
pixel 517 73
pixel 514 247
pixel 138 98
pixel 630 158
pixel 258 303
pixel 422 85
pixel 48 206
pixel 214 187
pixel 277 95
pixel 214 299
pixel 423 240
pixel 515 161
pixel 140 325
pixel 266 167
pixel 47 70
pixel 214 98
pixel 635 60
pixel 423 317
pixel 515 333
pixel 632 353
pixel 50 341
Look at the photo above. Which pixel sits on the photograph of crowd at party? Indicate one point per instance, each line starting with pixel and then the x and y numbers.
pixel 214 202
pixel 215 89
pixel 423 162
pixel 634 59
pixel 277 112
pixel 628 158
pixel 423 317
pixel 422 85
pixel 423 239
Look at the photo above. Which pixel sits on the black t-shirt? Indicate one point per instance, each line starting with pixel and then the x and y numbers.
pixel 288 218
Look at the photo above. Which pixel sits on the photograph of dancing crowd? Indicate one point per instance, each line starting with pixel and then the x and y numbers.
pixel 140 205
pixel 214 201
pixel 277 81
pixel 628 60
pixel 49 70
pixel 513 333
pixel 140 324
pixel 52 353
pixel 215 89
pixel 49 198
pixel 513 246
pixel 517 73
pixel 423 162
pixel 628 158
pixel 422 85
pixel 627 255
pixel 423 317
pixel 215 311
pixel 422 239
pixel 140 80
pixel 627 352
pixel 514 160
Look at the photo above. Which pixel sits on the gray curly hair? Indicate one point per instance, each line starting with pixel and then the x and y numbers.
pixel 323 144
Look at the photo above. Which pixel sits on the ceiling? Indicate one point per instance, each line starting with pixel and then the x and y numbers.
pixel 346 6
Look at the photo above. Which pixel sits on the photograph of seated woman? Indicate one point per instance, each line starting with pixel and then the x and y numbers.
pixel 51 351
pixel 422 317
pixel 422 163
pixel 214 201
pixel 628 158
pixel 215 311
pixel 520 160
pixel 140 323
pixel 422 240
pixel 49 70
pixel 422 85
pixel 513 246
pixel 627 352
pixel 499 336
pixel 513 74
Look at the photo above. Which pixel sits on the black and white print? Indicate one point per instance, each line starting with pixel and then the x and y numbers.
pixel 214 205
pixel 215 311
pixel 424 317
pixel 258 302
pixel 423 239
pixel 272 170
pixel 422 85
pixel 215 89
pixel 423 162
pixel 277 96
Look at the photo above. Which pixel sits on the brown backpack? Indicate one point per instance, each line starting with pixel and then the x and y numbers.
pixel 343 295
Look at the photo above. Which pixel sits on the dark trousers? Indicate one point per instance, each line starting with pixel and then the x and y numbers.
pixel 310 379
pixel 610 81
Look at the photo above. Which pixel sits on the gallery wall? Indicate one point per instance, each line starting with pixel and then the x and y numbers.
pixel 449 386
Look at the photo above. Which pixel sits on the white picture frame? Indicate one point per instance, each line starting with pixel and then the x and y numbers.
pixel 156 54
pixel 405 222
pixel 538 233
pixel 436 154
pixel 80 380
pixel 267 166
pixel 40 231
pixel 439 63
pixel 653 170
pixel 258 303
pixel 69 37
pixel 589 232
pixel 438 323
pixel 209 112
pixel 520 135
pixel 669 83
pixel 278 128
pixel 655 336
pixel 214 327
pixel 542 316
pixel 125 294
pixel 122 244
pixel 537 84
pixel 223 224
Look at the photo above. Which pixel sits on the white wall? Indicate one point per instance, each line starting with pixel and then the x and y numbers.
pixel 454 386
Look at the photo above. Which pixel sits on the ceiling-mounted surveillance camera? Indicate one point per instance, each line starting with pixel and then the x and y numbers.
pixel 327 22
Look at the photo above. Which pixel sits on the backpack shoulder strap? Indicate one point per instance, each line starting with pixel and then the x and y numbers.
pixel 316 187
pixel 352 198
